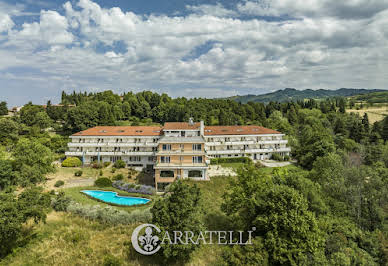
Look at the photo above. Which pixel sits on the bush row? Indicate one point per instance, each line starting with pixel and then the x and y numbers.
pixel 109 215
pixel 278 157
pixel 133 188
pixel 230 160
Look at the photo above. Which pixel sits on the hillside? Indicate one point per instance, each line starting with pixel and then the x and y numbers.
pixel 374 97
pixel 290 94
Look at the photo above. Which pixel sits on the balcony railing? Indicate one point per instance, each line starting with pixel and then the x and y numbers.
pixel 246 142
pixel 113 144
pixel 105 153
pixel 180 164
pixel 179 151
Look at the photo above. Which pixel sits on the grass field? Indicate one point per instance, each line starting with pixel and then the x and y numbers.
pixel 67 239
pixel 374 113
pixel 66 174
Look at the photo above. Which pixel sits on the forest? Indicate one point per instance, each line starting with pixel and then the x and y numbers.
pixel 331 208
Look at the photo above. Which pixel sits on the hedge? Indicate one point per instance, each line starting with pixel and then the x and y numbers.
pixel 109 215
pixel 72 162
pixel 103 182
pixel 59 183
pixel 133 188
pixel 230 160
pixel 119 164
pixel 78 173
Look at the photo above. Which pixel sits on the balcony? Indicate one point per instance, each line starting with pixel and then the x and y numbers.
pixel 242 151
pixel 179 165
pixel 180 152
pixel 112 153
pixel 246 142
pixel 113 144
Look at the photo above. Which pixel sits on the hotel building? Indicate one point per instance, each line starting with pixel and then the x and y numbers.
pixel 175 150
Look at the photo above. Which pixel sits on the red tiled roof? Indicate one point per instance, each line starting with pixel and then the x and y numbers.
pixel 121 131
pixel 238 130
pixel 181 125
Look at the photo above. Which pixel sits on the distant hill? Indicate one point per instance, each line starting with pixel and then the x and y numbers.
pixel 374 97
pixel 290 94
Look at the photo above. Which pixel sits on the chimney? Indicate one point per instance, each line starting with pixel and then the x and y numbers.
pixel 191 121
pixel 202 128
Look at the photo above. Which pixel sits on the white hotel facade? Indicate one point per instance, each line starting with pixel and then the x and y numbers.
pixel 175 150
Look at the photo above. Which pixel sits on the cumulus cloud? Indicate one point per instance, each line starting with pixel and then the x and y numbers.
pixel 217 10
pixel 88 46
pixel 349 9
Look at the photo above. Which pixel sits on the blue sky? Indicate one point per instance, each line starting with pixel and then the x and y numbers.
pixel 189 48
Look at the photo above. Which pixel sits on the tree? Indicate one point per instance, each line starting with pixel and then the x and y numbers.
pixel 28 114
pixel 365 123
pixel 9 131
pixel 280 214
pixel 32 161
pixel 180 211
pixel 42 120
pixel 15 211
pixel 384 132
pixel 3 108
pixel 6 174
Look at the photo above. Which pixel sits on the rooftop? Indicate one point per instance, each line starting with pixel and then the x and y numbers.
pixel 121 131
pixel 238 130
pixel 158 131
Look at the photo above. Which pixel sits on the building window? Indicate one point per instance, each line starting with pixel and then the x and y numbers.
pixel 134 158
pixel 150 158
pixel 166 147
pixel 197 147
pixel 229 147
pixel 197 159
pixel 166 173
pixel 195 173
pixel 165 159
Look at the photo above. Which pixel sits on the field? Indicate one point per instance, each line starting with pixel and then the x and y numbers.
pixel 67 239
pixel 374 113
pixel 87 178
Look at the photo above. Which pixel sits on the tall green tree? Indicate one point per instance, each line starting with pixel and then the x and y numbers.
pixel 3 108
pixel 180 211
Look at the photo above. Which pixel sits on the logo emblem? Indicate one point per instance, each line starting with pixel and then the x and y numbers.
pixel 146 244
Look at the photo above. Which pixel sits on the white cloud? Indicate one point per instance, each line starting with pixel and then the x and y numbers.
pixel 324 50
pixel 217 10
pixel 348 9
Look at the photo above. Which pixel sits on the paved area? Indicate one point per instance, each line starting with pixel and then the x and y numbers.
pixel 270 163
pixel 218 170
pixel 78 182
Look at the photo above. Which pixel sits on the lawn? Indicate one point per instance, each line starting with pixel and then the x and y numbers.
pixel 66 174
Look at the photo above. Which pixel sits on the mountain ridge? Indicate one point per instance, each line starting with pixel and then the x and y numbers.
pixel 291 94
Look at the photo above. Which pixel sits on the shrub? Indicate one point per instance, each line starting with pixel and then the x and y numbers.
pixel 103 182
pixel 276 157
pixel 286 158
pixel 118 177
pixel 119 164
pixel 109 215
pixel 101 173
pixel 113 170
pixel 97 165
pixel 230 160
pixel 59 183
pixel 106 164
pixel 132 188
pixel 60 202
pixel 110 260
pixel 72 162
pixel 78 173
